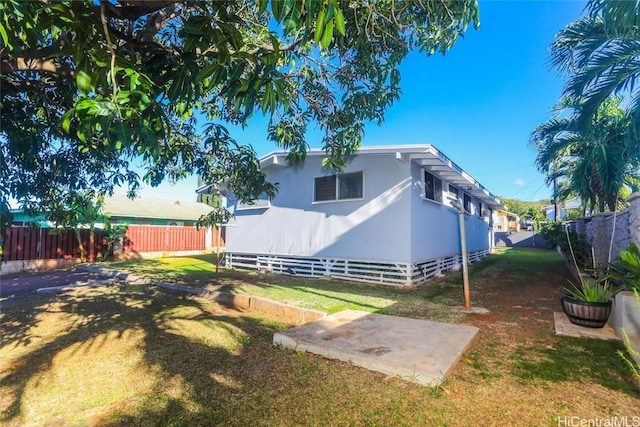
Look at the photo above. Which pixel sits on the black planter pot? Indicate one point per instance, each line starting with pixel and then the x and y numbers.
pixel 589 314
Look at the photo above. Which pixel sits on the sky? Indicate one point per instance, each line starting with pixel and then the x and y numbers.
pixel 478 104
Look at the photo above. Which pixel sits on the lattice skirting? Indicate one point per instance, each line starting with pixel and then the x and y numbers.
pixel 386 273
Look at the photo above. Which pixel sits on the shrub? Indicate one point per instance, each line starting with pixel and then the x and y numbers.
pixel 555 234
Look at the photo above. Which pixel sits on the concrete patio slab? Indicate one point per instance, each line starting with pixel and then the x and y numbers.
pixel 416 350
pixel 565 327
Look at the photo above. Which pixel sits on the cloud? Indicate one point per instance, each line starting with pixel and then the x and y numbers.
pixel 520 182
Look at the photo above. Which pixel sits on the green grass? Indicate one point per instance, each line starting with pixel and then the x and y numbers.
pixel 425 302
pixel 136 355
pixel 324 295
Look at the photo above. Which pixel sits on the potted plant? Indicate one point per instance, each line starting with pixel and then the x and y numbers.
pixel 588 304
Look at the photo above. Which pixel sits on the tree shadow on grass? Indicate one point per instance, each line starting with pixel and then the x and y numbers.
pixel 575 360
pixel 202 368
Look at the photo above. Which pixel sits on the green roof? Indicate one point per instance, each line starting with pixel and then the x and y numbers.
pixel 122 206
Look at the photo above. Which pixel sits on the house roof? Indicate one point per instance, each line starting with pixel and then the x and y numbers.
pixel 573 203
pixel 122 206
pixel 426 155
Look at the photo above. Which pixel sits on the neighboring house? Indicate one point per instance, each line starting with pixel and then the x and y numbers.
pixel 139 211
pixel 155 228
pixel 505 221
pixel 550 210
pixel 147 211
pixel 388 217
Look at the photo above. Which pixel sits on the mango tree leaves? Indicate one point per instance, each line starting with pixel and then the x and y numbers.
pixel 90 88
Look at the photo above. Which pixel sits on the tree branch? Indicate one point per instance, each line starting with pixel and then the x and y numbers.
pixel 11 66
pixel 132 10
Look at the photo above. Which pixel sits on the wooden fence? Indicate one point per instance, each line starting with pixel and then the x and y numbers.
pixel 145 238
pixel 27 243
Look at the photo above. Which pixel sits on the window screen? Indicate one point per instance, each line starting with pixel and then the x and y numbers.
pixel 338 187
pixel 325 188
pixel 467 203
pixel 350 185
pixel 454 191
pixel 261 202
pixel 432 187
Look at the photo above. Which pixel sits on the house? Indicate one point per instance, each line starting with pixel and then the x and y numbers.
pixel 156 227
pixel 505 220
pixel 549 211
pixel 139 211
pixel 148 211
pixel 388 217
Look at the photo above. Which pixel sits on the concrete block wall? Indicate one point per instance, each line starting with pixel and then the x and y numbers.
pixel 624 226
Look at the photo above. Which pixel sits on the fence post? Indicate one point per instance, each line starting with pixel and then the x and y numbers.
pixel 580 226
pixel 600 238
pixel 634 218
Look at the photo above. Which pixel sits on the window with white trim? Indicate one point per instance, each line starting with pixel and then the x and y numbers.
pixel 432 187
pixel 344 186
pixel 262 202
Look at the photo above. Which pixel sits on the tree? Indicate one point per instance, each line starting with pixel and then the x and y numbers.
pixel 522 208
pixel 601 55
pixel 594 163
pixel 74 212
pixel 90 88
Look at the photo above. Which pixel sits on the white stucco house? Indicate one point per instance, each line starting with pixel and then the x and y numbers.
pixel 550 210
pixel 388 217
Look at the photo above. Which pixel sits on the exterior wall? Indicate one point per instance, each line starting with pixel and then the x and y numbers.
pixel 435 229
pixel 624 226
pixel 500 221
pixel 601 227
pixel 374 228
pixel 434 225
pixel 392 223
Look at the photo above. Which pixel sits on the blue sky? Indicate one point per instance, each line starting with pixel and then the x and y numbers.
pixel 478 104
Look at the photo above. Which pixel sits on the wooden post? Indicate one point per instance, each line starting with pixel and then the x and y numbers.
pixel 92 245
pixel 465 272
pixel 218 248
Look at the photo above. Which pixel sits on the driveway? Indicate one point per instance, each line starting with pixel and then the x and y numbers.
pixel 21 283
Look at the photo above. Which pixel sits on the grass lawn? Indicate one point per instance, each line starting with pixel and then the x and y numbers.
pixel 136 355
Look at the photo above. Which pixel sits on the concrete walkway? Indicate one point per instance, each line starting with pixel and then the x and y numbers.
pixel 421 351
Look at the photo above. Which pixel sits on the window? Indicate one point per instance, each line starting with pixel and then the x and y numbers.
pixel 479 208
pixel 350 185
pixel 344 186
pixel 454 191
pixel 262 202
pixel 467 203
pixel 432 187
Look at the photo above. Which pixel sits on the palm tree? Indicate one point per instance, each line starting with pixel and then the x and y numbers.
pixel 601 54
pixel 594 163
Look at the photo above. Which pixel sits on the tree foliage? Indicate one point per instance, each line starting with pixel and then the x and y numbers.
pixel 525 210
pixel 91 89
pixel 75 211
pixel 600 53
pixel 594 163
